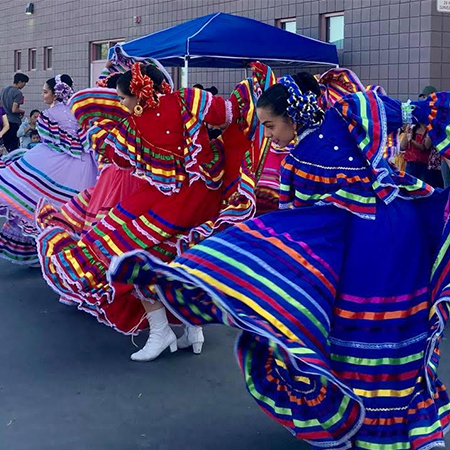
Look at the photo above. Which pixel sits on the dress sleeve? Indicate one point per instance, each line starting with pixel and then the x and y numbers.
pixel 221 112
pixel 206 108
pixel 435 113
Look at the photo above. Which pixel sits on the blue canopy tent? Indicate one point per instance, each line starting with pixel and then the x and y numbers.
pixel 228 41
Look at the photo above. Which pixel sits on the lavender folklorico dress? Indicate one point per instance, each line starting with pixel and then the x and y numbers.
pixel 58 168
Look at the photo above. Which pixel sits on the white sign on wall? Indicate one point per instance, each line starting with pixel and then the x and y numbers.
pixel 443 6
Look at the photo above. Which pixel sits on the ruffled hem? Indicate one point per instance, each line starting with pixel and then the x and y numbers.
pixel 116 314
pixel 147 161
pixel 17 248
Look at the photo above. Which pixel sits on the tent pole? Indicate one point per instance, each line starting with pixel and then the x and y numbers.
pixel 185 78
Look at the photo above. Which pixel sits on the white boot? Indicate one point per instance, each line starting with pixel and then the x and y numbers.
pixel 192 336
pixel 161 336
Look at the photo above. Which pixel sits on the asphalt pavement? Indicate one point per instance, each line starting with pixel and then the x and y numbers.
pixel 66 383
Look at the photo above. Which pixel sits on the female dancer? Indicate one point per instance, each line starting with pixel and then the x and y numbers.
pixel 171 187
pixel 341 324
pixel 57 168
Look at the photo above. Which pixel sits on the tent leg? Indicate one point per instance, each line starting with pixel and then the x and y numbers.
pixel 185 74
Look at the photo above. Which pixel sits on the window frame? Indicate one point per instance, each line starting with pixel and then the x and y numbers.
pixel 48 66
pixel 110 42
pixel 32 67
pixel 280 23
pixel 324 27
pixel 17 60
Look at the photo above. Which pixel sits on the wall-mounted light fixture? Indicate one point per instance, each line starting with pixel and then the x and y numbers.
pixel 29 9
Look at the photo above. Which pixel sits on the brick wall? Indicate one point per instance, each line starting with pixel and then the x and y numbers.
pixel 401 44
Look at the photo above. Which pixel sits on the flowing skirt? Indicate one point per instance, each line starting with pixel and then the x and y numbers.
pixel 340 323
pixel 27 176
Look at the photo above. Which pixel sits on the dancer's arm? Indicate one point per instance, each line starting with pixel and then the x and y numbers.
pixel 5 125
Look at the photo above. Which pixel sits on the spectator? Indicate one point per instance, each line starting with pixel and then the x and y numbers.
pixel 416 144
pixel 34 139
pixel 437 171
pixel 27 127
pixel 4 129
pixel 12 98
pixel 428 90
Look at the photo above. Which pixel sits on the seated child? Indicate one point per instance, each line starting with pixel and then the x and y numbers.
pixel 35 139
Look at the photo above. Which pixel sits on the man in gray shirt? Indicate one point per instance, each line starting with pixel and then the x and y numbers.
pixel 11 99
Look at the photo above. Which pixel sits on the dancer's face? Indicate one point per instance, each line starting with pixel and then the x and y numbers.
pixel 47 95
pixel 129 101
pixel 278 128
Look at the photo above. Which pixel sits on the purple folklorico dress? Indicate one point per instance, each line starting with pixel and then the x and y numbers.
pixel 58 168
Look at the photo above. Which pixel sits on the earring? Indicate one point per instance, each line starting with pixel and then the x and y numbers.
pixel 296 139
pixel 138 110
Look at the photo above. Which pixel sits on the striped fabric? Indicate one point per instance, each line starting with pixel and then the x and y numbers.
pixel 15 246
pixel 57 169
pixel 78 242
pixel 333 347
pixel 98 111
pixel 58 139
pixel 94 104
pixel 22 184
pixel 347 167
pixel 341 317
pixel 337 83
pixel 437 116
pixel 242 171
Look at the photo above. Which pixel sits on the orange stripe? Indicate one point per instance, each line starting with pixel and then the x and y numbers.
pixel 293 254
pixel 381 421
pixel 17 206
pixel 327 180
pixel 421 405
pixel 382 315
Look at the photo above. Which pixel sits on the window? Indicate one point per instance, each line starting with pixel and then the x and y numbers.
pixel 98 55
pixel 288 24
pixel 48 58
pixel 32 59
pixel 332 29
pixel 17 60
pixel 100 49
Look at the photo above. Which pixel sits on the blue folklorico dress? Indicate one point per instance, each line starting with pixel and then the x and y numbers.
pixel 342 297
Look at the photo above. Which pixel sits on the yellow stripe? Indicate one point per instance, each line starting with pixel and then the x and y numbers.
pixel 385 392
pixel 244 299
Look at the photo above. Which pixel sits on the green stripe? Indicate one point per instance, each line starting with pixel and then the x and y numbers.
pixel 133 237
pixel 371 446
pixel 425 430
pixel 251 387
pixel 365 120
pixel 444 409
pixel 441 254
pixel 356 198
pixel 338 416
pixel 265 282
pixel 377 361
pixel 16 198
pixel 446 142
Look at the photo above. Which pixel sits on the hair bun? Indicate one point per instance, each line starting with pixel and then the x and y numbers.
pixel 67 79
